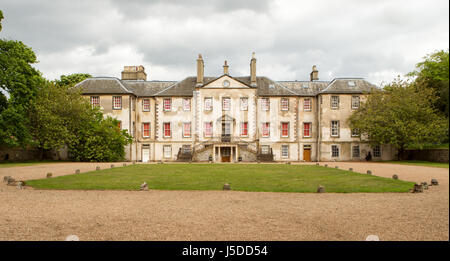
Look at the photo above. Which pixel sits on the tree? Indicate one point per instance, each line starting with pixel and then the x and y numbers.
pixel 1 18
pixel 433 73
pixel 400 115
pixel 20 81
pixel 72 79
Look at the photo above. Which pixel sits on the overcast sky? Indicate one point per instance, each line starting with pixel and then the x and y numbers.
pixel 377 40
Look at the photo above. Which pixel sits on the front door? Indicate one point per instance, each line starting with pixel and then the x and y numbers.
pixel 307 154
pixel 225 153
pixel 145 154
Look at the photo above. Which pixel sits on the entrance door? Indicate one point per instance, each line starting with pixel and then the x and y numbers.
pixel 145 154
pixel 307 154
pixel 225 152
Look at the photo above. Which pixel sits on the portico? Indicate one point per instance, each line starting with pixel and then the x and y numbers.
pixel 225 153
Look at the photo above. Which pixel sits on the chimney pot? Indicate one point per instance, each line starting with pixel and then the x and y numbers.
pixel 225 68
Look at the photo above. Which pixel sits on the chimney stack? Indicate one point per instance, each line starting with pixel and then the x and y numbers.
pixel 225 68
pixel 200 70
pixel 314 74
pixel 253 70
pixel 134 73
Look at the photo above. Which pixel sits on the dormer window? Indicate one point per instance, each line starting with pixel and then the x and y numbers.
pixel 305 86
pixel 351 83
pixel 271 86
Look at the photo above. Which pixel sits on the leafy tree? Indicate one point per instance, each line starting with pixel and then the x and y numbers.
pixel 433 73
pixel 20 81
pixel 72 79
pixel 1 18
pixel 400 115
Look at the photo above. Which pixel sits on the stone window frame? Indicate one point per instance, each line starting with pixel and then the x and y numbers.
pixel 242 129
pixel 116 100
pixel 353 151
pixel 205 105
pixel 335 153
pixel 355 132
pixel 167 106
pixel 334 102
pixel 205 134
pixel 243 106
pixel 144 105
pixel 310 130
pixel 184 130
pixel 354 102
pixel 265 104
pixel 164 129
pixel 287 129
pixel 170 151
pixel 285 146
pixel 337 129
pixel 95 101
pixel 264 127
pixel 143 130
pixel 228 107
pixel 305 107
pixel 376 151
pixel 284 104
pixel 186 104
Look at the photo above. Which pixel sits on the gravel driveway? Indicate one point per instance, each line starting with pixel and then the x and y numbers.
pixel 217 215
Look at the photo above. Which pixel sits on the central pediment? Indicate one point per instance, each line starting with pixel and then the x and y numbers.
pixel 226 82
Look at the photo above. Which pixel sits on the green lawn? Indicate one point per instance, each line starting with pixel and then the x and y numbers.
pixel 242 177
pixel 419 163
pixel 9 164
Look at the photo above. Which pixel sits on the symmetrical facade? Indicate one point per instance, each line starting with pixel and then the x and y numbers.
pixel 232 119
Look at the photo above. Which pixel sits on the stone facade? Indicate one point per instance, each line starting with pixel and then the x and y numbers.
pixel 236 118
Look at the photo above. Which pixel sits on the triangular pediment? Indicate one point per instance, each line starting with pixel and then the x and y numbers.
pixel 226 82
pixel 225 118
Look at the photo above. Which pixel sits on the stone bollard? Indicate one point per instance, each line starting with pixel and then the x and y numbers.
pixel 425 185
pixel 258 161
pixel 317 164
pixel 77 171
pixel 11 182
pixel 288 163
pixel 350 169
pixel 134 162
pixel 336 167
pixel 321 189
pixel 369 172
pixel 49 175
pixel 326 165
pixel 434 182
pixel 226 186
pixel 20 185
pixel 5 178
pixel 112 165
pixel 97 168
pixel 124 164
pixel 418 188
pixel 395 176
pixel 144 186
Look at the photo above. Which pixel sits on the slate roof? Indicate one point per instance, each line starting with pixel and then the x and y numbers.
pixel 184 88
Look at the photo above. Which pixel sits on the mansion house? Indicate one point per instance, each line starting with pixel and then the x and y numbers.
pixel 235 119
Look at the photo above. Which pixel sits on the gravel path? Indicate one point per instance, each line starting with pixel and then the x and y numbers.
pixel 217 215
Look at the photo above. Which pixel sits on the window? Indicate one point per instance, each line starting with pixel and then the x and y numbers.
pixel 117 102
pixel 167 104
pixel 244 104
pixel 167 130
pixel 355 102
pixel 266 129
pixel 186 104
pixel 334 151
pixel 351 83
pixel 307 104
pixel 334 102
pixel 146 105
pixel 377 151
pixel 208 104
pixel 187 129
pixel 355 151
pixel 265 104
pixel 334 128
pixel 167 151
pixel 226 104
pixel 146 129
pixel 285 129
pixel 285 151
pixel 265 149
pixel 284 104
pixel 244 129
pixel 95 101
pixel 208 129
pixel 355 132
pixel 307 129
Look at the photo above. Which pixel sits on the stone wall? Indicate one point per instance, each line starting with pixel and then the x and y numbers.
pixel 434 155
pixel 20 154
